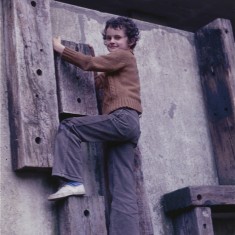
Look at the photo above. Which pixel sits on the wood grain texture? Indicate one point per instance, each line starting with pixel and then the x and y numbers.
pixel 194 222
pixel 76 89
pixel 222 197
pixel 82 216
pixel 215 53
pixel 145 221
pixel 33 109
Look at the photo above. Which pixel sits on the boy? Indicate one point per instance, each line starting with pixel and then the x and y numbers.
pixel 118 125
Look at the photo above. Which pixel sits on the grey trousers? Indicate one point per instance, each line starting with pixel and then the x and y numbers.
pixel 121 131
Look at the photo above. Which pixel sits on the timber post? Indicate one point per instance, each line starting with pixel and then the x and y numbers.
pixel 215 52
pixel 82 216
pixel 76 89
pixel 33 109
pixel 77 97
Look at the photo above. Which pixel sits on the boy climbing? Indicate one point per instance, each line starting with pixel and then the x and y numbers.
pixel 118 125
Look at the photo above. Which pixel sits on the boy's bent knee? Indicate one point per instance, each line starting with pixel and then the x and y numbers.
pixel 66 123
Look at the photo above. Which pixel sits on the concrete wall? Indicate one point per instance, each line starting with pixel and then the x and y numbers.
pixel 175 143
pixel 24 206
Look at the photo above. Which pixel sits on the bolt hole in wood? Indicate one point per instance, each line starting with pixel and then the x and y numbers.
pixel 33 3
pixel 38 140
pixel 204 226
pixel 39 72
pixel 86 213
pixel 226 31
pixel 199 197
pixel 79 100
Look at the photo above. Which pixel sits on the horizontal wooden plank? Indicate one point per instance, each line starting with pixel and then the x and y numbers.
pixel 211 196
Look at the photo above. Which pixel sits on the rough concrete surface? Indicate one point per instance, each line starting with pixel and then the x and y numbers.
pixel 175 143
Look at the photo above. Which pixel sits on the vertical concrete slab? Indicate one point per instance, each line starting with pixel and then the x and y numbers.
pixel 91 22
pixel 79 25
pixel 175 144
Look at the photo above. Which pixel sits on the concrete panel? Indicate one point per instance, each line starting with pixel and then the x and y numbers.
pixel 79 25
pixel 175 143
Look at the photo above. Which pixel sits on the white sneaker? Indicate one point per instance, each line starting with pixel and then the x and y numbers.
pixel 67 190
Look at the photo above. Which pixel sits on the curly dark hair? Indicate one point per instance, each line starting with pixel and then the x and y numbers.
pixel 130 28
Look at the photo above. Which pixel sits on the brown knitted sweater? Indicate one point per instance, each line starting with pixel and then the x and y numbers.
pixel 119 78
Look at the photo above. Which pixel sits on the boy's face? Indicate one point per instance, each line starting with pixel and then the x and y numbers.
pixel 116 39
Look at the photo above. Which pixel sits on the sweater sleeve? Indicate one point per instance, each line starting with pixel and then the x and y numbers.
pixel 105 63
pixel 99 81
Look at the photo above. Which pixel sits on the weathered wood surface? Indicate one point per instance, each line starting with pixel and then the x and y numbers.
pixel 145 220
pixel 192 209
pixel 33 109
pixel 196 221
pixel 215 51
pixel 82 216
pixel 218 197
pixel 93 169
pixel 76 89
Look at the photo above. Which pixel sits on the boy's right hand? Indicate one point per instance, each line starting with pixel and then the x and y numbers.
pixel 57 45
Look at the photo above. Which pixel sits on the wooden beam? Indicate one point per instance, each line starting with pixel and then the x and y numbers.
pixel 76 89
pixel 215 52
pixel 82 216
pixel 196 221
pixel 217 197
pixel 33 109
pixel 145 220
